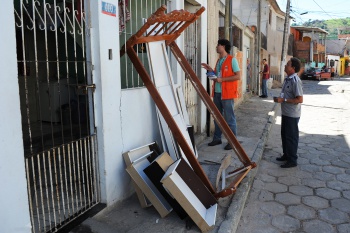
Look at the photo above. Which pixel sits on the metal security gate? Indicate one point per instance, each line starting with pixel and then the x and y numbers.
pixel 56 95
pixel 191 53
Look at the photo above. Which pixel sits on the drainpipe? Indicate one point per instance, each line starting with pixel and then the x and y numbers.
pixel 285 41
pixel 228 20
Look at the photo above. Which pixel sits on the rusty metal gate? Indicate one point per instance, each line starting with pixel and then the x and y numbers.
pixel 56 96
pixel 191 53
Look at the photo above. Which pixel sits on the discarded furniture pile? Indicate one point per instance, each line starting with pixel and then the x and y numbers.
pixel 172 178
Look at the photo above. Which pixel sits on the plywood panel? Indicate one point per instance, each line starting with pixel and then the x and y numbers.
pixel 178 184
pixel 136 171
pixel 133 155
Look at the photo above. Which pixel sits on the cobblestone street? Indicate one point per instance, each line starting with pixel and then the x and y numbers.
pixel 313 197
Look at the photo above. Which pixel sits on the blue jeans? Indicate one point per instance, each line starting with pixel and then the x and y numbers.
pixel 290 137
pixel 264 87
pixel 226 108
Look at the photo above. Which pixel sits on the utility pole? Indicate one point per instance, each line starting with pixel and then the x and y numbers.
pixel 285 41
pixel 228 21
pixel 257 50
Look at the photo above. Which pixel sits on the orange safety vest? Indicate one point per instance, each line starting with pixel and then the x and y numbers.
pixel 229 90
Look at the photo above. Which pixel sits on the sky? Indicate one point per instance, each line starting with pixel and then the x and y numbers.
pixel 316 9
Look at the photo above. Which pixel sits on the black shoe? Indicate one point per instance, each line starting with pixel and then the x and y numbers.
pixel 228 147
pixel 263 96
pixel 288 165
pixel 282 158
pixel 214 143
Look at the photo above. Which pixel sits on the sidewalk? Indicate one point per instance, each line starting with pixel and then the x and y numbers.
pixel 254 117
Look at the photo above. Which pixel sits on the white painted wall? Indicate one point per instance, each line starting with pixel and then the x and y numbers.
pixel 104 36
pixel 14 214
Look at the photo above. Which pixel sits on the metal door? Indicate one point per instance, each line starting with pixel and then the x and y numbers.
pixel 56 95
pixel 191 52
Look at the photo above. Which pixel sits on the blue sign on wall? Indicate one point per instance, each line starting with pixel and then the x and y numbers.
pixel 109 9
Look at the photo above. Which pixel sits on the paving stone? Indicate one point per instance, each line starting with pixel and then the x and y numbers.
pixel 317 226
pixel 320 162
pixel 301 212
pixel 302 174
pixel 287 198
pixel 316 202
pixel 333 216
pixel 310 168
pixel 328 157
pixel 313 183
pixel 344 177
pixel 286 223
pixel 314 145
pixel 326 149
pixel 303 161
pixel 309 156
pixel 278 172
pixel 265 196
pixel 345 158
pixel 327 193
pixel 288 181
pixel 325 176
pixel 273 208
pixel 333 170
pixel 346 194
pixel 267 178
pixel 253 229
pixel 301 190
pixel 257 217
pixel 340 163
pixel 342 149
pixel 341 204
pixel 276 187
pixel 344 228
pixel 258 184
pixel 338 185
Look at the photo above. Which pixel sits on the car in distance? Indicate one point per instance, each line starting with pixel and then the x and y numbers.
pixel 312 73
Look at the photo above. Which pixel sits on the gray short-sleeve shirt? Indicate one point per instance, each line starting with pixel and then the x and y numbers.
pixel 292 87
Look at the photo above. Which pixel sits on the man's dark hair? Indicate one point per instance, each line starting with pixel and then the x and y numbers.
pixel 264 59
pixel 225 43
pixel 295 63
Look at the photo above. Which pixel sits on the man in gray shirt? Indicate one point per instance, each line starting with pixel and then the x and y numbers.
pixel 290 98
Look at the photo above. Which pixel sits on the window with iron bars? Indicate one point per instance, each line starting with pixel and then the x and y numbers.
pixel 131 16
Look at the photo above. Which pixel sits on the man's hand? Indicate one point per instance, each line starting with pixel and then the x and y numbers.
pixel 207 67
pixel 278 100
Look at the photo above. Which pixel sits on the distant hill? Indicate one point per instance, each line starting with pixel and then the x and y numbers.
pixel 331 26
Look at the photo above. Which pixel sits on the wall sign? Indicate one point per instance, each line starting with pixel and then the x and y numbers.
pixel 109 9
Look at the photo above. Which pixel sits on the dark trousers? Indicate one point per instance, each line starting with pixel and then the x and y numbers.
pixel 290 137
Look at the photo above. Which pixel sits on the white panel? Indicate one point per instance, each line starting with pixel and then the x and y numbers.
pixel 158 63
pixel 163 80
pixel 145 184
pixel 169 139
pixel 169 99
pixel 180 96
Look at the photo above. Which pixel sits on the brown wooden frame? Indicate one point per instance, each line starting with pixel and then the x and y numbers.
pixel 169 27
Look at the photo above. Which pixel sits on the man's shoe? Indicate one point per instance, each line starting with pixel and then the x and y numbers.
pixel 288 165
pixel 214 143
pixel 282 158
pixel 228 147
pixel 263 96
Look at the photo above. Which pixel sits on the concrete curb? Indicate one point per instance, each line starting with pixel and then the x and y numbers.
pixel 234 212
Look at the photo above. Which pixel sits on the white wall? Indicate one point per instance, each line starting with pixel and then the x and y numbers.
pixel 105 36
pixel 14 214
